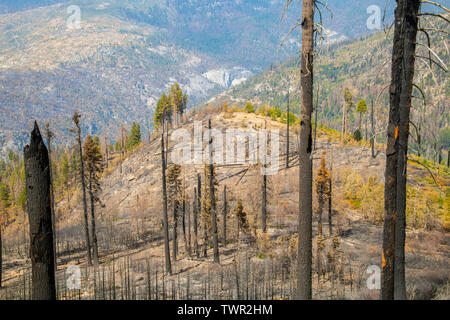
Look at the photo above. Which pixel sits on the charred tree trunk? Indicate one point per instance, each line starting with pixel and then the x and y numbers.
pixel 93 230
pixel 225 211
pixel 199 207
pixel 213 199
pixel 83 188
pixel 37 173
pixel 175 231
pixel 195 208
pixel 183 225
pixel 52 191
pixel 409 51
pixel 304 260
pixel 321 201
pixel 403 58
pixel 165 217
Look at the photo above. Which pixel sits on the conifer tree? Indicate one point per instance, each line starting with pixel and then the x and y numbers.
pixel 93 160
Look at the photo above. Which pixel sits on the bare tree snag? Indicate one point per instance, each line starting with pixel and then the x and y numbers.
pixel 165 217
pixel 304 256
pixel 403 59
pixel 195 208
pixel 76 120
pixel 37 175
pixel 225 212
pixel 213 199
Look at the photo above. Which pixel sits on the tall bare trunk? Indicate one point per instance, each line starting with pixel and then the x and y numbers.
pixel 52 191
pixel 225 212
pixel 195 208
pixel 264 204
pixel 213 199
pixel 403 58
pixel 93 230
pixel 304 257
pixel 165 217
pixel 85 210
pixel 175 231
pixel 410 34
pixel 37 175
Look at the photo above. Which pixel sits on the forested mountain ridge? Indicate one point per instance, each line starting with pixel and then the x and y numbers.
pixel 127 52
pixel 362 67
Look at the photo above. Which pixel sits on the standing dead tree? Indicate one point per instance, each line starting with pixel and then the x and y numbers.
pixel 174 197
pixel 76 120
pixel 212 188
pixel 195 209
pixel 225 212
pixel 49 135
pixel 165 216
pixel 304 255
pixel 37 175
pixel 402 73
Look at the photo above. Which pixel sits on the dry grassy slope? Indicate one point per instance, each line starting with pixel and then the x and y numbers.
pixel 136 194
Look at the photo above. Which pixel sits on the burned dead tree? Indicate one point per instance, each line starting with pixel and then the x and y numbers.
pixel 195 209
pixel 213 199
pixel 403 59
pixel 37 175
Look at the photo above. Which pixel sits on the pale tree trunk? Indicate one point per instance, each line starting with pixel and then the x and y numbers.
pixel 93 231
pixel 85 210
pixel 225 212
pixel 165 217
pixel 304 256
pixel 403 58
pixel 37 175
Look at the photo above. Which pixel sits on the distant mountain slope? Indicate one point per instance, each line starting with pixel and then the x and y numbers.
pixel 364 68
pixel 128 52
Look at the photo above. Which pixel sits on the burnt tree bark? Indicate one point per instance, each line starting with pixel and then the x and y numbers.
pixel 76 119
pixel 175 230
pixel 37 175
pixel 195 208
pixel 403 59
pixel 304 260
pixel 225 212
pixel 52 190
pixel 165 217
pixel 213 199
pixel 93 228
